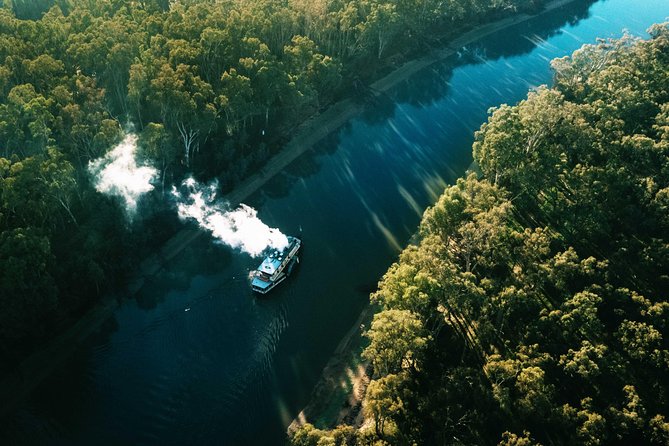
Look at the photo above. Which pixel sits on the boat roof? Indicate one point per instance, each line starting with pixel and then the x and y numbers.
pixel 273 260
pixel 271 263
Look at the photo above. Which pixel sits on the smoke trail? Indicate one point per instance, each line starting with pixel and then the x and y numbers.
pixel 240 228
pixel 118 174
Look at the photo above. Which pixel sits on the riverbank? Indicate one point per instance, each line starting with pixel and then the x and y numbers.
pixel 337 396
pixel 16 387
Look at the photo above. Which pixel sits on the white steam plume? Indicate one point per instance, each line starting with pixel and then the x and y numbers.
pixel 117 173
pixel 240 228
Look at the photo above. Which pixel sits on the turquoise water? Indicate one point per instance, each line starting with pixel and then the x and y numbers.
pixel 235 369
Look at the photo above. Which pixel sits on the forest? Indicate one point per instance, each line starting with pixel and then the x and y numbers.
pixel 211 88
pixel 532 308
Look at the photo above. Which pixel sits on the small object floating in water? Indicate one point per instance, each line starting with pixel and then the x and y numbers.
pixel 187 309
pixel 276 267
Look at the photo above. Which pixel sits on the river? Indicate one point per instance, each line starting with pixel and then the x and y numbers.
pixel 198 359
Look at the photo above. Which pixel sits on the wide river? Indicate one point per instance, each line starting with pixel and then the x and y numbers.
pixel 197 359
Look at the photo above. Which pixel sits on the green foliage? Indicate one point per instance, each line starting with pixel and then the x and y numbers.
pixel 384 401
pixel 308 435
pixel 396 341
pixel 511 439
pixel 37 191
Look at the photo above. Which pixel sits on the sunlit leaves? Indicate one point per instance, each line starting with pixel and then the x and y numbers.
pixel 642 341
pixel 384 401
pixel 397 341
pixel 584 361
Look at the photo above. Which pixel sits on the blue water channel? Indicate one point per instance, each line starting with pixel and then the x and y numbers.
pixel 198 359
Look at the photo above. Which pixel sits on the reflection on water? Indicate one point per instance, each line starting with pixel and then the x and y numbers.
pixel 533 34
pixel 197 359
pixel 433 83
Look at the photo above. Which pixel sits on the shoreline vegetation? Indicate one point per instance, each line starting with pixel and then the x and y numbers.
pixel 17 384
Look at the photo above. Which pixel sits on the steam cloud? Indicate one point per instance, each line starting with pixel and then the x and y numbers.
pixel 240 228
pixel 118 174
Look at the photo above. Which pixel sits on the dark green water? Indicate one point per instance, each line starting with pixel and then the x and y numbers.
pixel 235 369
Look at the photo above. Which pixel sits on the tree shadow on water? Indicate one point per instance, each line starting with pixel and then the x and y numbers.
pixel 306 165
pixel 524 37
pixel 431 84
pixel 378 109
pixel 203 257
pixel 427 86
